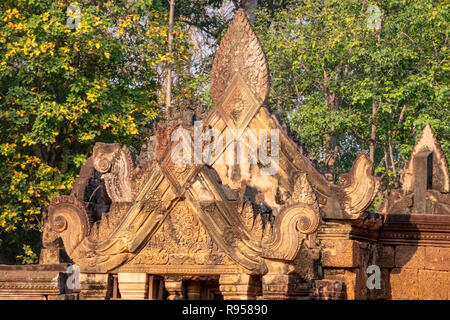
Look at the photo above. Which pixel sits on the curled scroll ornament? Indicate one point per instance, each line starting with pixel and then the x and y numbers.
pixel 290 229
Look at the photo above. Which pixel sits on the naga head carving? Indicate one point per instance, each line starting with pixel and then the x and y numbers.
pixel 67 219
pixel 103 155
pixel 358 188
pixel 117 167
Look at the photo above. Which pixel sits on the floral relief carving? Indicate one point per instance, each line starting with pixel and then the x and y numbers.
pixel 240 52
pixel 181 240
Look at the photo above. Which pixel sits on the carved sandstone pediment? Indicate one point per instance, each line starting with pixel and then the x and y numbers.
pixel 181 242
pixel 166 217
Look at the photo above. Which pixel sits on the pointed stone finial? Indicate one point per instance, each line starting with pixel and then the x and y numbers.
pixel 240 54
pixel 425 181
pixel 435 162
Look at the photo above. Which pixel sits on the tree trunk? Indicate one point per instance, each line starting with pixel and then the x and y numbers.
pixel 169 65
pixel 373 132
pixel 331 149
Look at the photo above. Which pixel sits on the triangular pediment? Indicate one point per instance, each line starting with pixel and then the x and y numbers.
pixel 181 243
pixel 197 218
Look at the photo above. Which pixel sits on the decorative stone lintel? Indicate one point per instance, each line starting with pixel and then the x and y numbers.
pixel 34 282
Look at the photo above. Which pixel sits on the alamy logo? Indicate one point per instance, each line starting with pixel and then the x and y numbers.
pixel 241 146
pixel 374 280
pixel 73 281
pixel 374 20
pixel 74 13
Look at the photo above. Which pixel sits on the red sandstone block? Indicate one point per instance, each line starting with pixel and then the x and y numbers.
pixel 437 258
pixel 433 285
pixel 340 253
pixel 447 281
pixel 350 279
pixel 385 292
pixel 386 256
pixel 404 284
pixel 410 257
pixel 361 290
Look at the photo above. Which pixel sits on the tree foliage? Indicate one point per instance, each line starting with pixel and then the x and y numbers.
pixel 333 77
pixel 62 88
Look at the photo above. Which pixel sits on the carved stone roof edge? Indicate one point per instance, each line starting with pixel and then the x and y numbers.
pixel 405 220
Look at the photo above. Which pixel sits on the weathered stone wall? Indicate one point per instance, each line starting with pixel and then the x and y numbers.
pixel 416 251
pixel 33 282
pixel 419 272
pixel 414 260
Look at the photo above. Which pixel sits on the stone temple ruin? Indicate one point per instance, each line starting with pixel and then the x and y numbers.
pixel 156 229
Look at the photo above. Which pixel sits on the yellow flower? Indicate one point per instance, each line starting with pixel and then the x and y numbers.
pixel 107 55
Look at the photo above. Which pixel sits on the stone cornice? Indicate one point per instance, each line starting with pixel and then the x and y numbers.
pixel 414 229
